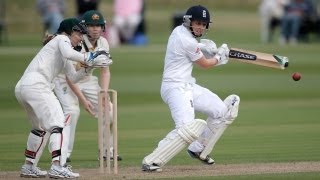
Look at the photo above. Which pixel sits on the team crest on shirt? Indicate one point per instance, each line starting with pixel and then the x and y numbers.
pixel 95 17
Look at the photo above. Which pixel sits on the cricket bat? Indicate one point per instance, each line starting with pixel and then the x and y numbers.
pixel 259 58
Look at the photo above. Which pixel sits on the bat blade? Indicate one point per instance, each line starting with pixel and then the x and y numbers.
pixel 259 58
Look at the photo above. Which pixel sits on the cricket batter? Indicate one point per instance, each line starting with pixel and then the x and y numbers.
pixel 183 96
pixel 86 90
pixel 34 93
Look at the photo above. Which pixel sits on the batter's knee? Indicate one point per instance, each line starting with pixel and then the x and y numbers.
pixel 227 112
pixel 232 102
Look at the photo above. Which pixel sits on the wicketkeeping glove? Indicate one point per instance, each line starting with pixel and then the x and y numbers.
pixel 102 60
pixel 90 56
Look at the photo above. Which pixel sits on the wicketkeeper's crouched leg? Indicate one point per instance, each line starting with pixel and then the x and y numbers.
pixel 36 143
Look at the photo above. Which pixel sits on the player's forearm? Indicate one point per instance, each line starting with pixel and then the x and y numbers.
pixel 207 63
pixel 75 76
pixel 76 90
pixel 69 53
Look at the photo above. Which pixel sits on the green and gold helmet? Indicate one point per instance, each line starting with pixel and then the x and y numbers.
pixel 93 17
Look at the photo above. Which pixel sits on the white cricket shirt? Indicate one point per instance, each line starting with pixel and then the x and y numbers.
pixel 182 51
pixel 50 61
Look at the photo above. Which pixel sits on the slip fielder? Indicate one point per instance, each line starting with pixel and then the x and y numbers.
pixel 86 90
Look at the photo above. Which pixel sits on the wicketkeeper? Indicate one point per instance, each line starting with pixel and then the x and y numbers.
pixel 34 93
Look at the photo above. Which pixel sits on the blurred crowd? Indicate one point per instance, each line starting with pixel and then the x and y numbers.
pixel 126 27
pixel 295 18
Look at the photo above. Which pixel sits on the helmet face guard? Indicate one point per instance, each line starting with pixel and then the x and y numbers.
pixel 80 27
pixel 199 13
pixel 71 24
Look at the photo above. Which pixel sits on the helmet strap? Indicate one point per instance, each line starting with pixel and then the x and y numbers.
pixel 191 30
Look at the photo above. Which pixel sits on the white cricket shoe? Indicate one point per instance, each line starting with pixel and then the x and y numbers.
pixel 208 160
pixel 30 171
pixel 151 168
pixel 59 172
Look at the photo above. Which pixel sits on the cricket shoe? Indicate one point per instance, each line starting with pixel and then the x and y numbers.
pixel 29 171
pixel 60 172
pixel 208 160
pixel 151 168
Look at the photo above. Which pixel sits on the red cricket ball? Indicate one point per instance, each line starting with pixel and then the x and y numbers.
pixel 296 76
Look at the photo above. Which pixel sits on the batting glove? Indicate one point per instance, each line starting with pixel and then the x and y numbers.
pixel 222 55
pixel 208 48
pixel 209 44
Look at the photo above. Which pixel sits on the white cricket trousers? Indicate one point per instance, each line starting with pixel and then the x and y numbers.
pixel 41 105
pixel 184 99
pixel 44 113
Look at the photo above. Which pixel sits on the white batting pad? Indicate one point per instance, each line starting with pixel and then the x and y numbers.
pixel 232 102
pixel 174 142
pixel 218 126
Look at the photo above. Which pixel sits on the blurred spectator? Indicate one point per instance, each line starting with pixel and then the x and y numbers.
pixel 271 12
pixel 140 37
pixel 52 12
pixel 3 24
pixel 86 5
pixel 311 22
pixel 296 12
pixel 128 23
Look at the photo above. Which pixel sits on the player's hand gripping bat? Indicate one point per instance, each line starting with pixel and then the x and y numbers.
pixel 209 49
